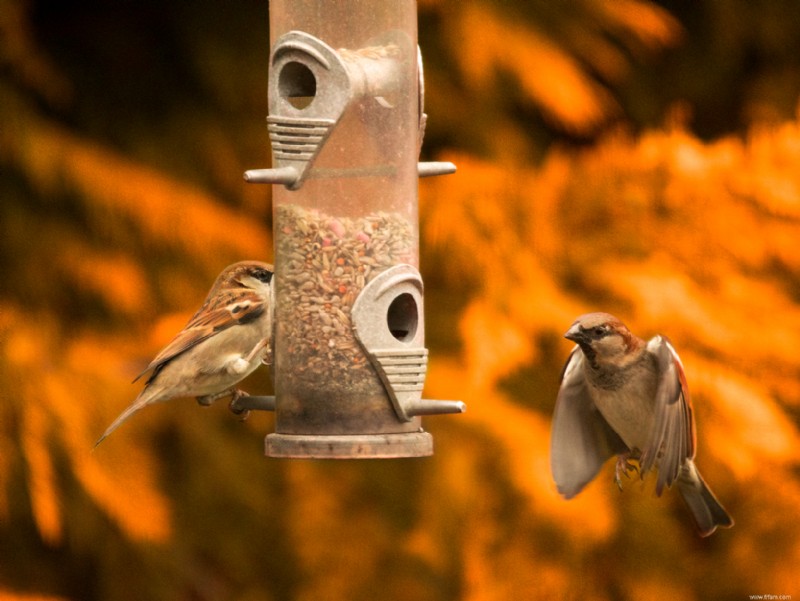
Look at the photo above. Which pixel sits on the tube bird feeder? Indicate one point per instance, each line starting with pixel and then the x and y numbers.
pixel 346 123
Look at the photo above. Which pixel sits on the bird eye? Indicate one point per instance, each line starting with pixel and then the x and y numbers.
pixel 263 275
pixel 600 331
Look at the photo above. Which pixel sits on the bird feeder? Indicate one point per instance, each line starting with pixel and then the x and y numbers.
pixel 346 123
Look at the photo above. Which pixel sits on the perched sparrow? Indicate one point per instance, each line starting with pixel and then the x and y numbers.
pixel 623 396
pixel 225 341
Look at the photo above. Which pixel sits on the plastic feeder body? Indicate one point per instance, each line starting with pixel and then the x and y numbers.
pixel 345 126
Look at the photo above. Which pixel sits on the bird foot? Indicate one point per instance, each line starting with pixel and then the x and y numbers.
pixel 257 349
pixel 234 406
pixel 622 468
pixel 208 400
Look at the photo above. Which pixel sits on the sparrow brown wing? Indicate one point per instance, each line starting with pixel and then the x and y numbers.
pixel 580 440
pixel 221 311
pixel 673 438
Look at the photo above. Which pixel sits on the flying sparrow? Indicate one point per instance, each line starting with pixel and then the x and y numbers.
pixel 224 342
pixel 623 396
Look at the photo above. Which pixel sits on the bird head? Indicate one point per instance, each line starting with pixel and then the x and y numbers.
pixel 604 339
pixel 252 274
pixel 245 274
pixel 236 282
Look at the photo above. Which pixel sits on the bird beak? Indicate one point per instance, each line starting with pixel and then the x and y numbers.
pixel 576 334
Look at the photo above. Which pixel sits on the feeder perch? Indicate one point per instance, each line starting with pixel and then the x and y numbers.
pixel 346 123
pixel 313 86
pixel 387 324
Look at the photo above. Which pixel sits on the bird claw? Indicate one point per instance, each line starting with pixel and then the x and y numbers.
pixel 234 405
pixel 623 467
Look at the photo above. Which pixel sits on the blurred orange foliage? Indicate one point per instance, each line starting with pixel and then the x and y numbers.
pixel 693 239
pixel 562 62
pixel 680 238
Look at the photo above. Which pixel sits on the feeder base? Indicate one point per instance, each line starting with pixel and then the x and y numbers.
pixel 361 446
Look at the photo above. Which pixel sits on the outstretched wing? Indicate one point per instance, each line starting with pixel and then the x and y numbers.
pixel 234 307
pixel 673 438
pixel 580 440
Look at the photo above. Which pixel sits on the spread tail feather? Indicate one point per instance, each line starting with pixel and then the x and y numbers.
pixel 707 511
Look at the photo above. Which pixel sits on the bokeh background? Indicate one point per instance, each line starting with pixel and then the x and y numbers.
pixel 634 156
